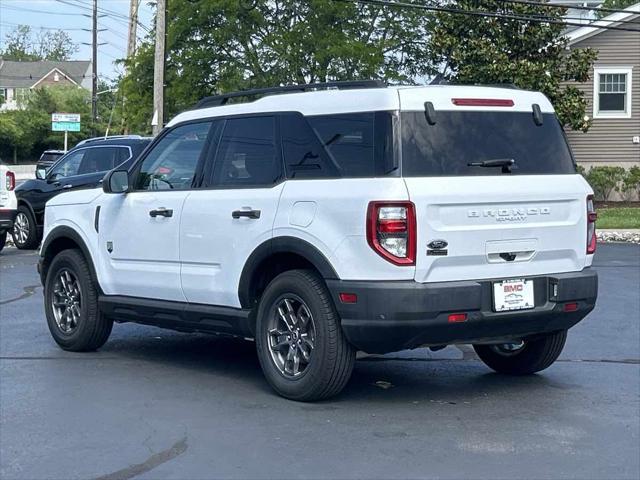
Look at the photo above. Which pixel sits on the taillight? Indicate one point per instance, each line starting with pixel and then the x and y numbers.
pixel 391 231
pixel 591 225
pixel 10 181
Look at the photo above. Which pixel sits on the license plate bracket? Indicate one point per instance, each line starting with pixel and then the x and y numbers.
pixel 513 294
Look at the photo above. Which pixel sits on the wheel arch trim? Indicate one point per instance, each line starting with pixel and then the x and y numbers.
pixel 285 244
pixel 64 231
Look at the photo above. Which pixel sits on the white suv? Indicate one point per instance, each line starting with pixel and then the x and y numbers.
pixel 324 219
pixel 8 203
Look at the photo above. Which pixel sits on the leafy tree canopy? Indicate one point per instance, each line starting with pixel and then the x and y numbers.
pixel 619 4
pixel 221 45
pixel 23 44
pixel 531 55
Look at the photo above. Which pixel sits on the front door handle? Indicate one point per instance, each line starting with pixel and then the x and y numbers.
pixel 67 186
pixel 255 214
pixel 161 212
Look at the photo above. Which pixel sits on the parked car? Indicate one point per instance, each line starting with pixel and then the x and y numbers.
pixel 353 217
pixel 82 167
pixel 8 204
pixel 48 158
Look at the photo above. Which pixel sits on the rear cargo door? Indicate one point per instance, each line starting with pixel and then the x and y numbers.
pixel 496 195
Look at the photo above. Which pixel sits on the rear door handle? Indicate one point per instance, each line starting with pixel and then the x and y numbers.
pixel 161 212
pixel 246 213
pixel 67 186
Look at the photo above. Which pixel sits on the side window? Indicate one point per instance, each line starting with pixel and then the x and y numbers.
pixel 349 139
pixel 68 166
pixel 171 164
pixel 247 154
pixel 304 155
pixel 99 159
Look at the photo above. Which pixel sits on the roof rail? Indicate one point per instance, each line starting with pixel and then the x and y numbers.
pixel 218 100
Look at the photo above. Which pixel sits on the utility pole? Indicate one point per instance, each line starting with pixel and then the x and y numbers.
pixel 133 25
pixel 158 68
pixel 94 64
pixel 134 5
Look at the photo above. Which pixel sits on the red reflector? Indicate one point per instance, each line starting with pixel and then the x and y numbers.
pixel 392 226
pixel 457 317
pixel 348 298
pixel 482 102
pixel 570 307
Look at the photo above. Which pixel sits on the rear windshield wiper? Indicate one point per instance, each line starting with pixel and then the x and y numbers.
pixel 506 163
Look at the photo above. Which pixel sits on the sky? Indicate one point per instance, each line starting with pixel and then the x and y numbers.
pixel 74 17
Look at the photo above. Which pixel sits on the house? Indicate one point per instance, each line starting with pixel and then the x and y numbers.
pixel 18 78
pixel 612 93
pixel 580 11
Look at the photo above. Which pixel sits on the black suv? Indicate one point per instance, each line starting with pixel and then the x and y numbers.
pixel 83 166
pixel 48 158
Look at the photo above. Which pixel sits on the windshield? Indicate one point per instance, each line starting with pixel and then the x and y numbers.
pixel 460 138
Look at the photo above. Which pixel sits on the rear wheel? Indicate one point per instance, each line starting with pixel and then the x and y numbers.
pixel 303 353
pixel 3 239
pixel 71 304
pixel 525 357
pixel 25 230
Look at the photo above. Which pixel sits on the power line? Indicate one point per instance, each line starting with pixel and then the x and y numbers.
pixel 479 13
pixel 23 9
pixel 566 6
pixel 110 13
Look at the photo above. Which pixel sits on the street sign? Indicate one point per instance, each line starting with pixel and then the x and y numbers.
pixel 65 117
pixel 65 126
pixel 65 122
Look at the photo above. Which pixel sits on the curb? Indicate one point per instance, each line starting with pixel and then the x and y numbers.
pixel 612 235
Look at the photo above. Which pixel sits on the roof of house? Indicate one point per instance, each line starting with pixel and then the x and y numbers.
pixel 614 19
pixel 27 74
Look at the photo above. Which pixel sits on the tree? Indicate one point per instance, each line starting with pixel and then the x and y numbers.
pixel 220 45
pixel 22 44
pixel 619 4
pixel 530 55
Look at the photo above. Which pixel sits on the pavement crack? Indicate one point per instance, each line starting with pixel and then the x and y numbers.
pixel 28 291
pixel 152 462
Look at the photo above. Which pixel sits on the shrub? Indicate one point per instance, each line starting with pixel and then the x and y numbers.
pixel 631 182
pixel 604 180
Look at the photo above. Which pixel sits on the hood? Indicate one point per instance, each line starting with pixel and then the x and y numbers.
pixel 79 197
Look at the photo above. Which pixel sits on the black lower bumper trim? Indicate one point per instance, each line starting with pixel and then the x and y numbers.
pixel 7 217
pixel 396 315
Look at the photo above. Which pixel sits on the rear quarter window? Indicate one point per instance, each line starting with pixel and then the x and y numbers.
pixel 459 138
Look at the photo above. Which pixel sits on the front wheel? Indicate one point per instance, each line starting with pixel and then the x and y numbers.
pixel 71 304
pixel 3 239
pixel 25 230
pixel 524 357
pixel 303 353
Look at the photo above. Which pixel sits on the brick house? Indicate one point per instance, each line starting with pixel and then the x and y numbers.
pixel 18 78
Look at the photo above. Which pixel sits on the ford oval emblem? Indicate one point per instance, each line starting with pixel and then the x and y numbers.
pixel 437 244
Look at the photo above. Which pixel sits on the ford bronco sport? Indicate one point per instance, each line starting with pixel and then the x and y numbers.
pixel 324 219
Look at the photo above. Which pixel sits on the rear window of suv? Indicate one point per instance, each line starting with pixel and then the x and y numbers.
pixel 459 138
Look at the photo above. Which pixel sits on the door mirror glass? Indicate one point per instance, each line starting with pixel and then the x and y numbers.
pixel 116 181
pixel 41 173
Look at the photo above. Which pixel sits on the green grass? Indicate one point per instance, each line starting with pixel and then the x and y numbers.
pixel 619 217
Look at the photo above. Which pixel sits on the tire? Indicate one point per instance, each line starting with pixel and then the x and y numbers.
pixel 25 230
pixel 3 239
pixel 92 328
pixel 533 356
pixel 330 357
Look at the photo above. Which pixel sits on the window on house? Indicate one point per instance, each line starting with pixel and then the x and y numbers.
pixel 612 92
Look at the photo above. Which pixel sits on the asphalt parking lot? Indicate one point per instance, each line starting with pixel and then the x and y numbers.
pixel 154 404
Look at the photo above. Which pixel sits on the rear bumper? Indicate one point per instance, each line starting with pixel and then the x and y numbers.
pixel 7 217
pixel 396 315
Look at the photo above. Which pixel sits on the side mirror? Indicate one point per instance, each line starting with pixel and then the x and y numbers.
pixel 116 181
pixel 41 173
